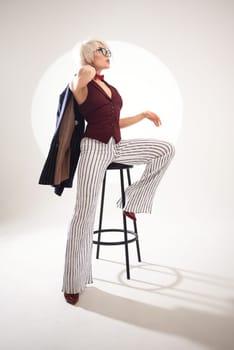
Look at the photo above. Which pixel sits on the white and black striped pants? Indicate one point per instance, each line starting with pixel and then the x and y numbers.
pixel 95 157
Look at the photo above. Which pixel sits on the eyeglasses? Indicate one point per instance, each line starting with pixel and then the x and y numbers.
pixel 104 51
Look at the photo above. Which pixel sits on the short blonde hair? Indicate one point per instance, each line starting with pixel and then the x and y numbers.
pixel 87 50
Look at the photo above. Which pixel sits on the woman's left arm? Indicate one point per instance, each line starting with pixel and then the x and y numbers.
pixel 124 122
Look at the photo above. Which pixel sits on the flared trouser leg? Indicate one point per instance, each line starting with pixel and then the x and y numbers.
pixel 94 159
pixel 156 155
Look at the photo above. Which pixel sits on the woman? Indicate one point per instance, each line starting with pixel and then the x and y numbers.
pixel 100 105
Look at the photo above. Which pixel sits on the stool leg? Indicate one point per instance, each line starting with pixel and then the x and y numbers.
pixel 101 216
pixel 125 225
pixel 134 223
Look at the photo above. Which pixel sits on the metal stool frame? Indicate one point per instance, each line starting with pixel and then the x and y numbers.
pixel 126 241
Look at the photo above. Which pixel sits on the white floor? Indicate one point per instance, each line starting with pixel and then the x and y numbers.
pixel 181 296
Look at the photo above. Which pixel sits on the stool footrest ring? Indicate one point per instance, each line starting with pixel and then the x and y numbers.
pixel 118 242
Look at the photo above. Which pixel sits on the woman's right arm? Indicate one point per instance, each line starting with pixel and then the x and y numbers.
pixel 78 85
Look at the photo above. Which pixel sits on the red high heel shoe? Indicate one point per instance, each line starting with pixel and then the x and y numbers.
pixel 71 298
pixel 130 215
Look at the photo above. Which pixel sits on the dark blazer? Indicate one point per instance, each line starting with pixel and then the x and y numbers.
pixel 62 159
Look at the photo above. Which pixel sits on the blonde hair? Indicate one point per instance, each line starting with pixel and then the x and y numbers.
pixel 87 50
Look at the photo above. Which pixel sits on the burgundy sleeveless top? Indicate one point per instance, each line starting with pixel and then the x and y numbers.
pixel 101 113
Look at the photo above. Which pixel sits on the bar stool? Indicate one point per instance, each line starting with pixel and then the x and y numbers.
pixel 126 240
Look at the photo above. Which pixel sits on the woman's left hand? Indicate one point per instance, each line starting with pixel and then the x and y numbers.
pixel 153 117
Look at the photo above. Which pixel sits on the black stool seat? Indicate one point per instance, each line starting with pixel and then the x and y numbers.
pixel 118 166
pixel 121 167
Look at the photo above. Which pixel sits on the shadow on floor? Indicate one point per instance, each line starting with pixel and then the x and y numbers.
pixel 212 329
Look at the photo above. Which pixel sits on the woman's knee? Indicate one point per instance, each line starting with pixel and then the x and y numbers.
pixel 165 149
pixel 171 149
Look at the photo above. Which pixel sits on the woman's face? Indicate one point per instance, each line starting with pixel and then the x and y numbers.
pixel 101 58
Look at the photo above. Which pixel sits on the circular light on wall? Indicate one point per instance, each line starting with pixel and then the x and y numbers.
pixel 143 81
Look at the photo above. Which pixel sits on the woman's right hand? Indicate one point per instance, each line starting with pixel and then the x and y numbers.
pixel 87 72
pixel 85 75
pixel 79 83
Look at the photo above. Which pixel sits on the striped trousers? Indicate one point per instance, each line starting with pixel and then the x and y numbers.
pixel 95 157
